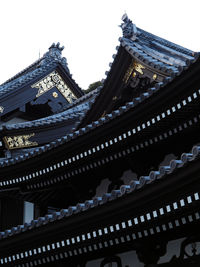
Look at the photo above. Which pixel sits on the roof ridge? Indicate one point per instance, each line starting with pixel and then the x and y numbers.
pixel 166 42
pixel 53 55
pixel 131 32
pixel 21 72
pixel 19 81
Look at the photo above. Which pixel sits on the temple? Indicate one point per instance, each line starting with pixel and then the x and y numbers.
pixel 108 178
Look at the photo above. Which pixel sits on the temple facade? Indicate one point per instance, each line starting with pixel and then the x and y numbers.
pixel 108 178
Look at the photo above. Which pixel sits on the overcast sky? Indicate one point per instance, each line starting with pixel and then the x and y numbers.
pixel 88 29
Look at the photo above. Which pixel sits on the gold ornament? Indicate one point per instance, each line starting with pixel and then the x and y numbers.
pixel 155 76
pixel 55 94
pixel 133 67
pixel 54 80
pixel 20 141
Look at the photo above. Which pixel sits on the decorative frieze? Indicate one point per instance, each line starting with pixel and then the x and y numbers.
pixel 54 80
pixel 137 71
pixel 20 141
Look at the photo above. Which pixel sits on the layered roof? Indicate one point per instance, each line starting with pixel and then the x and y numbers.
pixel 174 79
pixel 164 172
pixel 128 218
pixel 114 115
pixel 98 133
pixel 143 60
pixel 51 127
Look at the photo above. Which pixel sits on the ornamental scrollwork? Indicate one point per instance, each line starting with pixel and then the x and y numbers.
pixel 190 247
pixel 54 80
pixel 189 252
pixel 20 141
pixel 139 67
pixel 134 66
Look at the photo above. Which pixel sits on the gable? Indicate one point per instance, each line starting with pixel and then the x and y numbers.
pixel 44 88
pixel 51 81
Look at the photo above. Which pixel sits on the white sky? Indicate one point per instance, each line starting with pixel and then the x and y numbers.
pixel 88 29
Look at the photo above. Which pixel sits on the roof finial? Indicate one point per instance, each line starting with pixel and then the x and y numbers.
pixel 128 28
pixel 55 50
pixel 55 54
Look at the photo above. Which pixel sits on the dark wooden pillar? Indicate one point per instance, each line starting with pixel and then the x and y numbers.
pixel 11 212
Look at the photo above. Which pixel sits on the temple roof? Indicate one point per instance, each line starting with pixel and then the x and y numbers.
pixel 75 134
pixel 45 130
pixel 85 140
pixel 149 57
pixel 115 114
pixel 27 86
pixel 49 60
pixel 153 50
pixel 159 176
pixel 77 108
pixel 147 48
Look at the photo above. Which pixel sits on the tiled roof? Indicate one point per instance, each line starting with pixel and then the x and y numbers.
pixel 86 129
pixel 106 119
pixel 165 57
pixel 49 61
pixel 184 57
pixel 154 51
pixel 17 83
pixel 76 111
pixel 163 173
pixel 85 97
